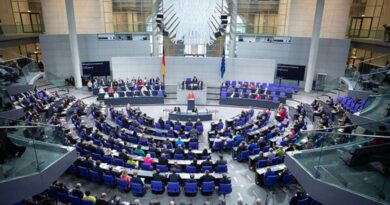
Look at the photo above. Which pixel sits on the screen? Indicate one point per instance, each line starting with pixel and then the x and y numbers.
pixel 290 72
pixel 97 68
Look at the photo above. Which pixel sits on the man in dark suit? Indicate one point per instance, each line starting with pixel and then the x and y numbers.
pixel 136 179
pixel 122 155
pixel 102 200
pixel 174 177
pixel 77 191
pixel 207 162
pixel 220 161
pixel 97 168
pixel 207 177
pixel 225 180
pixel 179 150
pixel 163 160
pixel 87 162
pixel 158 177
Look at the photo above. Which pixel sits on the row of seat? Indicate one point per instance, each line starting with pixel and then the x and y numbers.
pixel 157 187
pixel 350 104
pixel 234 83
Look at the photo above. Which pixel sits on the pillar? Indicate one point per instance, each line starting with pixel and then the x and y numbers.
pixel 233 28
pixel 156 35
pixel 315 40
pixel 74 46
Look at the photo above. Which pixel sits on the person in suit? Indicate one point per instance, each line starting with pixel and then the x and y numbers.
pixel 77 191
pixel 174 177
pixel 97 168
pixel 158 177
pixel 163 160
pixel 191 179
pixel 206 178
pixel 87 162
pixel 136 179
pixel 207 162
pixel 122 155
pixel 221 161
pixel 102 200
pixel 225 179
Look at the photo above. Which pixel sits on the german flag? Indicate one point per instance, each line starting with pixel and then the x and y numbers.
pixel 163 68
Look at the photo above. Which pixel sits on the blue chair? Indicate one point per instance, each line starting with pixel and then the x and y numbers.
pixel 63 197
pixel 122 185
pixel 74 200
pixel 108 180
pixel 304 201
pixel 193 145
pixel 119 162
pixel 225 189
pixel 73 169
pixel 275 161
pixel 51 193
pixel 190 189
pixel 96 157
pixel 221 169
pixel 86 202
pixel 256 151
pixel 208 188
pixel 204 168
pixel 178 156
pixel 190 169
pixel 217 146
pixel 157 187
pixel 287 178
pixel 261 163
pixel 131 166
pixel 162 167
pixel 270 181
pixel 95 176
pixel 83 171
pixel 173 189
pixel 229 145
pixel 146 167
pixel 107 159
pixel 243 156
pixel 137 189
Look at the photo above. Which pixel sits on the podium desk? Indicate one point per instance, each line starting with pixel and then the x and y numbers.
pixel 185 116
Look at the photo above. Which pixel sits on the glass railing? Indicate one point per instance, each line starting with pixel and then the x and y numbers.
pixel 21 29
pixel 255 29
pixel 378 107
pixel 27 150
pixel 357 164
pixel 366 34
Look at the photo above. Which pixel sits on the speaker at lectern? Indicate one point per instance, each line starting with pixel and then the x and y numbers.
pixel 190 101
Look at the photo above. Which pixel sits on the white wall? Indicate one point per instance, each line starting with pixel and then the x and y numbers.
pixel 331 59
pixel 57 58
pixel 206 69
pixel 88 14
pixel 334 22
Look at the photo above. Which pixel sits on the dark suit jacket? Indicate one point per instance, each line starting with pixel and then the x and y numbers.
pixel 163 160
pixel 174 178
pixel 136 180
pixel 158 177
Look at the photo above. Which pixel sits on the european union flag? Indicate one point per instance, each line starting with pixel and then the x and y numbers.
pixel 223 63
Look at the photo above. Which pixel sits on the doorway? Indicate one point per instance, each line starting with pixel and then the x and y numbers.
pixel 360 27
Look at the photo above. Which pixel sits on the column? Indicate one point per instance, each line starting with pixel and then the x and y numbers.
pixel 74 46
pixel 315 40
pixel 155 30
pixel 233 28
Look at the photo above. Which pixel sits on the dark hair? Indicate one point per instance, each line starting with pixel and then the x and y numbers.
pixel 87 193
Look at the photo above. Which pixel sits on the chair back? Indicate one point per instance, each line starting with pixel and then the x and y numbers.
pixel 221 168
pixel 208 187
pixel 225 189
pixel 173 187
pixel 108 180
pixel 156 186
pixel 190 187
pixel 74 200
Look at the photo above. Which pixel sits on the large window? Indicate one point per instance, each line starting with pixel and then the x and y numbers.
pixel 127 15
pixel 27 16
pixel 366 19
pixel 266 17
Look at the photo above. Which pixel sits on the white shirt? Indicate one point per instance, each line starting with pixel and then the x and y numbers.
pixel 116 95
pixel 106 95
pixel 101 90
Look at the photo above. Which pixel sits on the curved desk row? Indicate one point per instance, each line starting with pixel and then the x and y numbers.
pixel 250 102
pixel 185 116
pixel 134 100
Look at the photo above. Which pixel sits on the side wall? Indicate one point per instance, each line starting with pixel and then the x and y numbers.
pixel 57 58
pixel 331 58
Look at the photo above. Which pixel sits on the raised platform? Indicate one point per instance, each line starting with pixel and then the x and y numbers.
pixel 200 96
pixel 134 100
pixel 249 102
pixel 185 116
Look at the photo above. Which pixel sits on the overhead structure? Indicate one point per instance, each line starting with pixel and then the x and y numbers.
pixel 193 22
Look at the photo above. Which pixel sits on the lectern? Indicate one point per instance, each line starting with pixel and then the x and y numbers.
pixel 190 101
